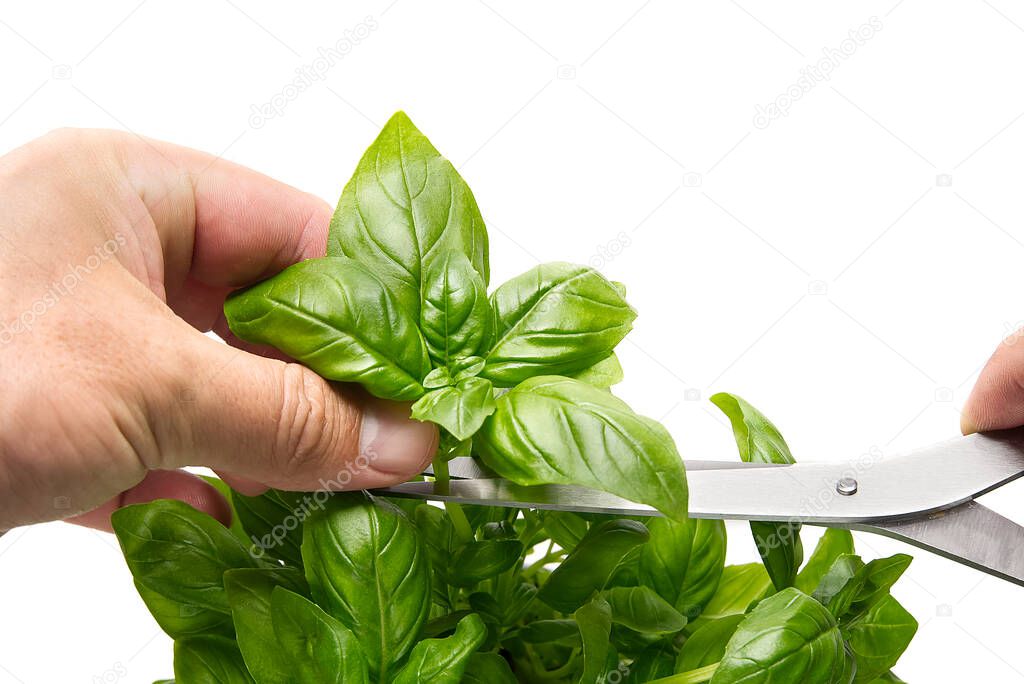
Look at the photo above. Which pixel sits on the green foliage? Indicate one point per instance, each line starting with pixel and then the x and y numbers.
pixel 355 588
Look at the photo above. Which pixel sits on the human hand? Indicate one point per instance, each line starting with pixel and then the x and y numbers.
pixel 997 400
pixel 116 254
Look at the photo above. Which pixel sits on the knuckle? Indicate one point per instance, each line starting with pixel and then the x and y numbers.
pixel 309 429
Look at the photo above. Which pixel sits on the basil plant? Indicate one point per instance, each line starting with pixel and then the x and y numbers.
pixel 351 587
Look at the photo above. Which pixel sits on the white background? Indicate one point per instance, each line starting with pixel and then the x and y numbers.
pixel 818 266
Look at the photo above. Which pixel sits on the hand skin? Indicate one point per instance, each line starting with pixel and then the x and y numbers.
pixel 997 400
pixel 116 254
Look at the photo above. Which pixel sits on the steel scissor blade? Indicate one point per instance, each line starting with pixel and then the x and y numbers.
pixel 913 485
pixel 971 534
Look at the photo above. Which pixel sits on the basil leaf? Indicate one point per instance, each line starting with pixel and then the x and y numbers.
pixel 555 319
pixel 565 528
pixel 460 410
pixel 179 619
pixel 209 660
pixel 366 566
pixel 179 553
pixel 595 623
pixel 554 430
pixel 759 441
pixel 590 565
pixel 404 207
pixel 706 646
pixel 879 637
pixel 336 317
pixel 439 539
pixel 642 610
pixel 841 584
pixel 455 314
pixel 315 646
pixel 654 662
pixel 563 631
pixel 879 576
pixel 225 491
pixel 249 591
pixel 787 637
pixel 488 668
pixel 480 560
pixel 443 661
pixel 740 587
pixel 273 522
pixel 834 543
pixel 683 561
pixel 604 373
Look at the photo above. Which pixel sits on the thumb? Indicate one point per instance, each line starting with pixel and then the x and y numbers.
pixel 997 400
pixel 282 425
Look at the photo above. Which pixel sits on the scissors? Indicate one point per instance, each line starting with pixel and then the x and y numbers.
pixel 924 497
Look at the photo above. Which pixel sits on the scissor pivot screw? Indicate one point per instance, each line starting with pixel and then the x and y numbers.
pixel 847 486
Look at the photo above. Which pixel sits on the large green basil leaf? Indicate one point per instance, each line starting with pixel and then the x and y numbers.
pixel 739 588
pixel 488 668
pixel 460 409
pixel 179 553
pixel 455 314
pixel 683 561
pixel 590 565
pixel 788 637
pixel 604 373
pixel 249 591
pixel 179 619
pixel 404 207
pixel 336 317
pixel 315 646
pixel 706 646
pixel 209 660
pixel 555 319
pixel 443 661
pixel 759 441
pixel 366 566
pixel 595 623
pixel 480 560
pixel 879 637
pixel 833 543
pixel 555 430
pixel 273 522
pixel 642 610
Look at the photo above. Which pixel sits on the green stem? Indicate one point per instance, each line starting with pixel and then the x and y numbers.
pixel 463 530
pixel 698 676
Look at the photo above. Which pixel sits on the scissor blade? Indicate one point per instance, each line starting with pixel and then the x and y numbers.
pixel 970 534
pixel 467 467
pixel 913 485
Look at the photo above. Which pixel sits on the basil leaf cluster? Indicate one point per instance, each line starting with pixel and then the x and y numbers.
pixel 353 587
pixel 400 306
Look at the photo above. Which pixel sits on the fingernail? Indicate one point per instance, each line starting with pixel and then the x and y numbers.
pixel 966 426
pixel 392 441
